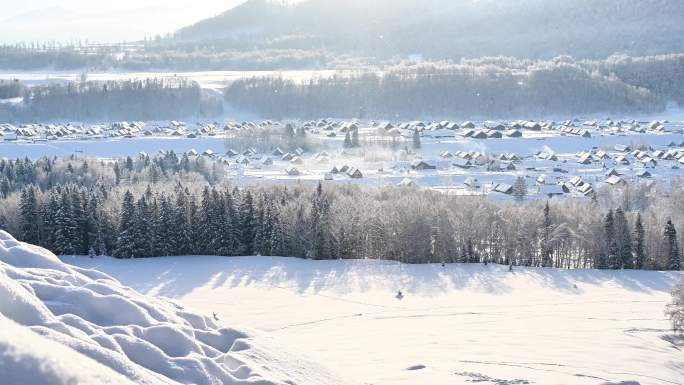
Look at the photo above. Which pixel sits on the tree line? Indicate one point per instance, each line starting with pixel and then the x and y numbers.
pixel 155 55
pixel 148 99
pixel 11 89
pixel 487 87
pixel 180 205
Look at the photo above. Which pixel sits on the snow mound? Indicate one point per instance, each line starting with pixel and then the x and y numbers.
pixel 61 324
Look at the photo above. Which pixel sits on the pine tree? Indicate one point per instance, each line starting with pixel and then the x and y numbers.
pixel 126 239
pixel 347 140
pixel 164 245
pixel 520 189
pixel 672 247
pixel 49 220
pixel 640 258
pixel 194 225
pixel 92 221
pixel 78 213
pixel 30 216
pixel 141 229
pixel 230 227
pixel 289 131
pixel 319 222
pixel 206 230
pixel 416 139
pixel 65 227
pixel 609 261
pixel 261 234
pixel 623 236
pixel 117 173
pixel 218 223
pixel 248 224
pixel 129 163
pixel 154 227
pixel 355 142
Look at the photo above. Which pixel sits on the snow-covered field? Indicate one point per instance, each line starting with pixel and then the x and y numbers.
pixel 457 324
pixel 61 324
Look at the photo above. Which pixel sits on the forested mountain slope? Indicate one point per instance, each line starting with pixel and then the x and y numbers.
pixel 452 28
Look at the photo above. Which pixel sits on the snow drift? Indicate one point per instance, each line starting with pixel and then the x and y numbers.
pixel 61 324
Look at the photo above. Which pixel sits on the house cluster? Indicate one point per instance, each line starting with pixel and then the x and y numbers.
pixel 291 160
pixel 472 159
pixel 331 128
pixel 9 132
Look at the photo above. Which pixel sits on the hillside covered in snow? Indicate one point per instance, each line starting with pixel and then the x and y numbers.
pixel 61 324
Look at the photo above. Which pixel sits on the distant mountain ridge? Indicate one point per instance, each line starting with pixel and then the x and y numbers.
pixel 451 29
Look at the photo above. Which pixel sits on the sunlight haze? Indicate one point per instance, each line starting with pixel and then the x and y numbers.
pixel 68 20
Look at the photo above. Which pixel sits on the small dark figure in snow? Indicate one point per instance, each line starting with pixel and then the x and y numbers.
pixel 215 316
pixel 510 267
pixel 443 264
pixel 400 295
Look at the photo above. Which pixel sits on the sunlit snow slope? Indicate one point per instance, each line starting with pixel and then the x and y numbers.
pixel 457 324
pixel 61 324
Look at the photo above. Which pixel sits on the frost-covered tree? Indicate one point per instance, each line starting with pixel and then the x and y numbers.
pixel 320 222
pixel 675 310
pixel 355 142
pixel 546 231
pixel 416 139
pixel 347 140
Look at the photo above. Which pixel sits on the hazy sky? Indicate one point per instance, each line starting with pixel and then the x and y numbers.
pixel 31 20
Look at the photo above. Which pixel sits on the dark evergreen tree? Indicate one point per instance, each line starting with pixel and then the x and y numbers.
pixel 231 226
pixel 623 236
pixel 78 212
pixel 164 245
pixel 141 230
pixel 640 257
pixel 65 226
pixel 520 189
pixel 248 224
pixel 49 219
pixel 671 247
pixel 194 224
pixel 205 240
pixel 610 261
pixel 181 240
pixel 125 241
pixel 129 163
pixel 29 212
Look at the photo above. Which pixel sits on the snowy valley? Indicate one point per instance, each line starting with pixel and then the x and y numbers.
pixel 338 192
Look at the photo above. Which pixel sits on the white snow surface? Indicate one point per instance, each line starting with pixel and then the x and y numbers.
pixel 457 324
pixel 62 324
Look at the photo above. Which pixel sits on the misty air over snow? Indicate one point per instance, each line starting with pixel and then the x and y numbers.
pixel 337 192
